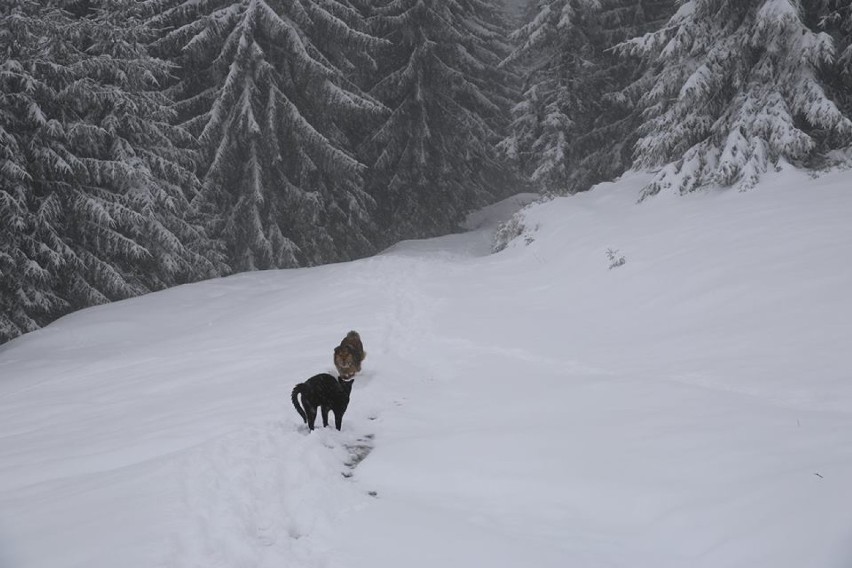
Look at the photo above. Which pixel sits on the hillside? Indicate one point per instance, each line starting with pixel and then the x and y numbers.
pixel 533 407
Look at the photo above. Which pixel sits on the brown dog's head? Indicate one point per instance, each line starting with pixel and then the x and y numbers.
pixel 346 361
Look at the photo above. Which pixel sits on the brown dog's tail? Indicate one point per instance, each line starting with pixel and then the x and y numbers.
pixel 357 337
pixel 294 396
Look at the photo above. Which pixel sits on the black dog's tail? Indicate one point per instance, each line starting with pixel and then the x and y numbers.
pixel 295 398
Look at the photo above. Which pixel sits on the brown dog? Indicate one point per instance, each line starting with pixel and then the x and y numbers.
pixel 348 355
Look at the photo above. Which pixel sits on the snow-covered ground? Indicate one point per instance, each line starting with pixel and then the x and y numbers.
pixel 691 408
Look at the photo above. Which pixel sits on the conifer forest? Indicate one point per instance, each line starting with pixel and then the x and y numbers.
pixel 150 143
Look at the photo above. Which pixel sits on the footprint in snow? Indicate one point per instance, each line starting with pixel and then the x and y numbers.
pixel 358 452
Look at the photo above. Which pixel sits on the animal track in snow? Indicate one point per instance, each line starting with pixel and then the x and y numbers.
pixel 358 452
pixel 265 496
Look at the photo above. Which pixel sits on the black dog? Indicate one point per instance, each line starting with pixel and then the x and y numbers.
pixel 325 392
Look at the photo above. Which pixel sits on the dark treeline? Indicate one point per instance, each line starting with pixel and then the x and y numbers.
pixel 147 143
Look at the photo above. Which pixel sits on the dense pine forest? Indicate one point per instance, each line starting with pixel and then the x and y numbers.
pixel 149 143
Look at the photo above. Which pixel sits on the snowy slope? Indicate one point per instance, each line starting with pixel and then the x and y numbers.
pixel 528 408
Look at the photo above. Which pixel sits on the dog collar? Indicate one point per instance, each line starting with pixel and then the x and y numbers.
pixel 345 380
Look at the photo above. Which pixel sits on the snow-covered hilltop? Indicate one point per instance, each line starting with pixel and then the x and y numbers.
pixel 534 407
pixel 145 145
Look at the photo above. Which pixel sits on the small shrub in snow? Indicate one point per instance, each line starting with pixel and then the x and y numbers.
pixel 616 259
pixel 508 231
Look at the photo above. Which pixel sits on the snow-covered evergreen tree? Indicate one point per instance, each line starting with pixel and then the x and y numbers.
pixel 133 149
pixel 263 84
pixel 624 19
pixel 434 158
pixel 31 252
pixel 561 93
pixel 605 150
pixel 733 92
pixel 574 126
pixel 835 18
pixel 92 173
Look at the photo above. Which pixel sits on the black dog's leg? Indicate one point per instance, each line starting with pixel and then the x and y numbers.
pixel 338 416
pixel 311 411
pixel 324 410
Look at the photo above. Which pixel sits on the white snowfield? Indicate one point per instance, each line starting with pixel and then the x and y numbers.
pixel 531 408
